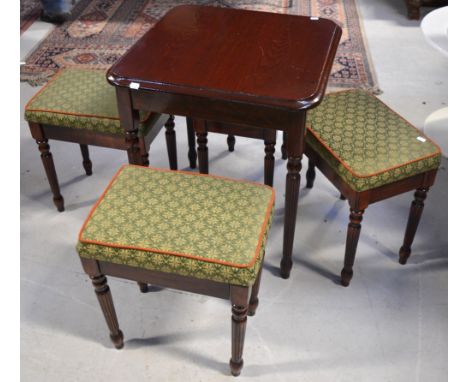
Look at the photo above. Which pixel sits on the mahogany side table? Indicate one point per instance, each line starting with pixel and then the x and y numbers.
pixel 231 66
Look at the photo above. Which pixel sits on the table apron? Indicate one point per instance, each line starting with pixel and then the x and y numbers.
pixel 218 110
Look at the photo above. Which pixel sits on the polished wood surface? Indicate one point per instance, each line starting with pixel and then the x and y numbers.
pixel 256 57
pixel 234 67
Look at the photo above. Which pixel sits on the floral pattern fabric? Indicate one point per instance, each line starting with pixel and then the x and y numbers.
pixel 367 143
pixel 184 223
pixel 80 99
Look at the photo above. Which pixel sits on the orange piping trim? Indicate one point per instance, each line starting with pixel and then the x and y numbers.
pixel 345 165
pixel 54 78
pixel 257 250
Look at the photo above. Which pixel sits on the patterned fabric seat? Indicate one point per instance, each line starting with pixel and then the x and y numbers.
pixel 182 223
pixel 367 143
pixel 81 99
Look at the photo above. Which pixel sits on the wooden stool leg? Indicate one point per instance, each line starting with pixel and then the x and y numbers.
pixel 253 302
pixel 48 162
pixel 202 140
pixel 144 153
pixel 143 287
pixel 240 302
pixel 416 210
pixel 269 165
pixel 284 151
pixel 310 174
pixel 354 229
pixel 231 141
pixel 192 153
pixel 87 164
pixel 107 305
pixel 171 143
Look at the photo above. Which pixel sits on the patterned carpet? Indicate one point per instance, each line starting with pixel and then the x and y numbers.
pixel 102 30
pixel 29 12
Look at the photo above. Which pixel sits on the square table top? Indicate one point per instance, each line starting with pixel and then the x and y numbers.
pixel 237 55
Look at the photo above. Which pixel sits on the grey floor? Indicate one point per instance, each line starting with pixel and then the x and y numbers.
pixel 389 325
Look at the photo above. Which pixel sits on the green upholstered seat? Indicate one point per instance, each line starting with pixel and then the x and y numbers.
pixel 183 223
pixel 367 143
pixel 81 99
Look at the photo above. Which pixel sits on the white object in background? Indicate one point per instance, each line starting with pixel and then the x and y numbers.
pixel 435 28
pixel 436 128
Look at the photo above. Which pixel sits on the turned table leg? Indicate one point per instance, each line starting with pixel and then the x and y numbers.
pixel 202 140
pixel 352 238
pixel 240 302
pixel 192 153
pixel 171 143
pixel 107 305
pixel 130 122
pixel 269 165
pixel 293 181
pixel 416 210
pixel 87 164
pixel 284 151
pixel 294 149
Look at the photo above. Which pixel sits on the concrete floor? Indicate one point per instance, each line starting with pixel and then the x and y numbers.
pixel 389 325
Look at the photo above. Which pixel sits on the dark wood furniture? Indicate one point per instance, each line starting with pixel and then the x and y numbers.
pixel 414 6
pixel 202 128
pixel 236 67
pixel 69 126
pixel 391 139
pixel 112 243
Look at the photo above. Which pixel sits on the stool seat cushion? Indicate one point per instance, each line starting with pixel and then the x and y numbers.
pixel 80 99
pixel 184 223
pixel 367 143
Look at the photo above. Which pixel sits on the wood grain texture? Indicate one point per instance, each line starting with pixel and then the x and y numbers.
pixel 201 51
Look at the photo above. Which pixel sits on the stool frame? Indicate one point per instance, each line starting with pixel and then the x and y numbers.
pixel 42 133
pixel 244 300
pixel 360 200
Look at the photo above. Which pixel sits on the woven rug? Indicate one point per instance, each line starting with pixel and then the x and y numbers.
pixel 102 30
pixel 29 12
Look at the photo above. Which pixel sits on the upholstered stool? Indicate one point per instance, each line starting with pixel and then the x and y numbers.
pixel 369 153
pixel 79 106
pixel 179 230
